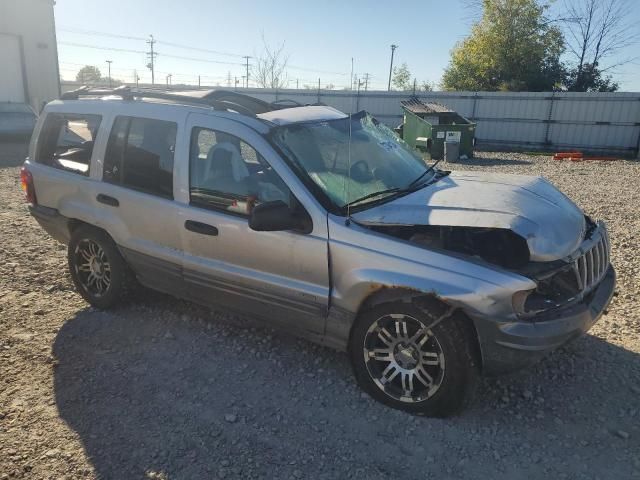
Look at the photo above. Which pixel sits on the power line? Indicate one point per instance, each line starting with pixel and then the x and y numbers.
pixel 96 33
pixel 198 49
pixel 126 50
pixel 160 42
pixel 111 49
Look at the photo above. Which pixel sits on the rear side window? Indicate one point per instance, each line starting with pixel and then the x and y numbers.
pixel 140 155
pixel 66 141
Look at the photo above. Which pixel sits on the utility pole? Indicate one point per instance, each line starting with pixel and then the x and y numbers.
pixel 236 83
pixel 393 49
pixel 297 84
pixel 198 81
pixel 109 62
pixel 351 77
pixel 136 78
pixel 366 81
pixel 414 87
pixel 229 79
pixel 247 57
pixel 168 79
pixel 152 56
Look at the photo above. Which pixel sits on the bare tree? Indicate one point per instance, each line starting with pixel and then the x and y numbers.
pixel 271 65
pixel 595 32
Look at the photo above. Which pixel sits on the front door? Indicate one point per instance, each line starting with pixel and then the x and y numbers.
pixel 281 276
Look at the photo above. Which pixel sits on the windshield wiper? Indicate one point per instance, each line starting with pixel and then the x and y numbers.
pixel 372 195
pixel 424 174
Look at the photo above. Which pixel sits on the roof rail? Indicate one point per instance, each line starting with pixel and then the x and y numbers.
pixel 285 103
pixel 85 91
pixel 126 93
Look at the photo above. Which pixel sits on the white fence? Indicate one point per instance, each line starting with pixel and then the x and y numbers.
pixel 598 122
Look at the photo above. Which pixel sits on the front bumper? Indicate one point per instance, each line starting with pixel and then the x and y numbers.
pixel 509 346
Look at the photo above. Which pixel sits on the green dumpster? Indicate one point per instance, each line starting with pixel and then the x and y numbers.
pixel 438 124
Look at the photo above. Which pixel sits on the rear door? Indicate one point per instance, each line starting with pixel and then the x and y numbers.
pixel 136 200
pixel 282 276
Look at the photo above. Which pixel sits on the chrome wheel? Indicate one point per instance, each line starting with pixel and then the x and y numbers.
pixel 404 358
pixel 92 267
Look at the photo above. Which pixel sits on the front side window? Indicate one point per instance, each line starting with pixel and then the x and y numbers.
pixel 350 158
pixel 66 141
pixel 140 155
pixel 226 173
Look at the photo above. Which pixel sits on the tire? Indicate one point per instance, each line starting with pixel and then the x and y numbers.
pixel 99 272
pixel 401 362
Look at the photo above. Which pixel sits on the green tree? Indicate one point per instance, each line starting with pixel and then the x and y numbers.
pixel 401 78
pixel 89 74
pixel 512 47
pixel 587 77
pixel 426 86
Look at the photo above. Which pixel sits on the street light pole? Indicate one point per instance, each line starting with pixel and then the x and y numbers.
pixel 393 49
pixel 109 62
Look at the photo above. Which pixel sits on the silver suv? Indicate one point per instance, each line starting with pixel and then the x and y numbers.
pixel 324 223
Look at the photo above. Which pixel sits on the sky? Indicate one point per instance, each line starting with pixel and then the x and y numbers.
pixel 320 38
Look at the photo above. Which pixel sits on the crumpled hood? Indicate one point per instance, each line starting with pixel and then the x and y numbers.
pixel 552 225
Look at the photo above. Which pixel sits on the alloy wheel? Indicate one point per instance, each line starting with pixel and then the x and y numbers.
pixel 404 358
pixel 92 267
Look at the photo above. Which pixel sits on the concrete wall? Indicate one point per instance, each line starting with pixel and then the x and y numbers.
pixel 32 23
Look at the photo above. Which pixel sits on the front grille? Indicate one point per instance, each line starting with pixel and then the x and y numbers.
pixel 590 267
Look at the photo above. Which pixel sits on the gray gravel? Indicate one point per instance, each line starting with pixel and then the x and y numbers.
pixel 167 390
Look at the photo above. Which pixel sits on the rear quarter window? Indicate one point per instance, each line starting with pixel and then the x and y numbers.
pixel 66 141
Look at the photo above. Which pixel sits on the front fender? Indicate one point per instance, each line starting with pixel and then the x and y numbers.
pixel 363 262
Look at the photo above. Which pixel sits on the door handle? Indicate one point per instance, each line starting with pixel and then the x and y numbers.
pixel 199 227
pixel 107 200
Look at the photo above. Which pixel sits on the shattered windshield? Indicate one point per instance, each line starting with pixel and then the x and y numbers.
pixel 379 162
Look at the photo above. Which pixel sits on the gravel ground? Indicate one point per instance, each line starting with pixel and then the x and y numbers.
pixel 167 390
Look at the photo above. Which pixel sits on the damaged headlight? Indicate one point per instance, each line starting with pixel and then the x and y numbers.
pixel 528 303
pixel 519 302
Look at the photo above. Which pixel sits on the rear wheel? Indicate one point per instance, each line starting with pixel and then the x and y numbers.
pixel 420 359
pixel 99 272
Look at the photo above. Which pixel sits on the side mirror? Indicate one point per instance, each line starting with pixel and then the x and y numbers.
pixel 277 216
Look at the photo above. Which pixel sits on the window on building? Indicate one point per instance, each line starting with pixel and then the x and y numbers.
pixel 67 140
pixel 140 155
pixel 228 174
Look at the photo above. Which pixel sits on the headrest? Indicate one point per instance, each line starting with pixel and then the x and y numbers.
pixel 238 167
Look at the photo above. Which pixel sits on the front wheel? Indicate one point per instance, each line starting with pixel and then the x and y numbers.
pixel 420 359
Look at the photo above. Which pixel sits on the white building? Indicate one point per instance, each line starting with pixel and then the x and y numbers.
pixel 28 52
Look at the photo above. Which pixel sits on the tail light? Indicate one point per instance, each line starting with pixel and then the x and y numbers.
pixel 26 182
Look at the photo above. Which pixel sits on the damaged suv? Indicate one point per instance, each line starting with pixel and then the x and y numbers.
pixel 323 223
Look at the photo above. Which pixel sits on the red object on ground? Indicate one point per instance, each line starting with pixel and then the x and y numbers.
pixel 575 156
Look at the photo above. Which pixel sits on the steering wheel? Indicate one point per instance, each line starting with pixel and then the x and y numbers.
pixel 360 172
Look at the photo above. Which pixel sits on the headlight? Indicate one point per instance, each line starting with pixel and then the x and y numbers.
pixel 519 300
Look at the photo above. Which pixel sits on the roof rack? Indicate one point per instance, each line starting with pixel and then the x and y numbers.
pixel 225 100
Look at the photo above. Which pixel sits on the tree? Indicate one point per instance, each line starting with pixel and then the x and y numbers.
pixel 401 79
pixel 589 78
pixel 426 86
pixel 512 47
pixel 595 31
pixel 271 65
pixel 88 74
